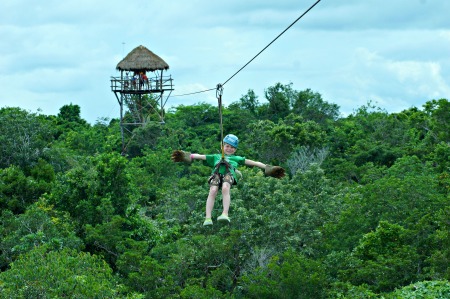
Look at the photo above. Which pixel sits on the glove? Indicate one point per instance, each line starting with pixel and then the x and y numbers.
pixel 274 171
pixel 181 156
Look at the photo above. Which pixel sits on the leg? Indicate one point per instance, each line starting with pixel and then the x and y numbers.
pixel 228 181
pixel 210 200
pixel 226 197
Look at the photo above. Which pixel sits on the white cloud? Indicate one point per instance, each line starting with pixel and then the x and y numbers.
pixel 54 53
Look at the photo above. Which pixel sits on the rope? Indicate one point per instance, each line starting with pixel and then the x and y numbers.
pixel 219 92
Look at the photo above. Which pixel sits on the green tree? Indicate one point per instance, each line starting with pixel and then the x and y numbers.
pixel 384 259
pixel 437 257
pixel 439 111
pixel 290 275
pixel 90 140
pixel 24 138
pixel 370 135
pixel 196 126
pixel 18 191
pixel 424 290
pixel 249 102
pixel 145 137
pixel 113 238
pixel 278 215
pixel 340 290
pixel 235 121
pixel 70 113
pixel 441 157
pixel 194 291
pixel 402 194
pixel 311 106
pixel 141 272
pixel 280 97
pixel 56 274
pixel 39 225
pixel 274 142
pixel 152 173
pixel 95 190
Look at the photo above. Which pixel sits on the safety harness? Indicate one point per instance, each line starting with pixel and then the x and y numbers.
pixel 228 166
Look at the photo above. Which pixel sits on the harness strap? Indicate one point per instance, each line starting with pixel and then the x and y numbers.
pixel 224 162
pixel 219 92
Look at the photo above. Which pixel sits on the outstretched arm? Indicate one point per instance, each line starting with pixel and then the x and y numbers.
pixel 254 163
pixel 186 157
pixel 273 171
pixel 198 157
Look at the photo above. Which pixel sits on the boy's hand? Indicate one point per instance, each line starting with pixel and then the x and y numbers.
pixel 274 171
pixel 181 156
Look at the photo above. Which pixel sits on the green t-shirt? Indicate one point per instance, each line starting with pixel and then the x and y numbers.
pixel 234 161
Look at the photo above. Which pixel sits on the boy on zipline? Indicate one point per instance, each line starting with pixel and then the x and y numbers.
pixel 224 173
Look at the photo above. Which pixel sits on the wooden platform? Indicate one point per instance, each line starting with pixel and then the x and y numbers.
pixel 152 85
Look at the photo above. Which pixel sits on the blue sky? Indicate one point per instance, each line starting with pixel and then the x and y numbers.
pixel 392 53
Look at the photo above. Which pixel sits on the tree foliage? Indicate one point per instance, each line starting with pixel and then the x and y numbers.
pixel 56 274
pixel 363 212
pixel 24 138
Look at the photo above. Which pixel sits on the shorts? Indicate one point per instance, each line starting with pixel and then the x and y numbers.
pixel 218 179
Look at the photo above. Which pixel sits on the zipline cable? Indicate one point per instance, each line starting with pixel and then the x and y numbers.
pixel 188 94
pixel 268 45
pixel 311 7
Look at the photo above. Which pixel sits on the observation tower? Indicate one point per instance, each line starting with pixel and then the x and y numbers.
pixel 140 89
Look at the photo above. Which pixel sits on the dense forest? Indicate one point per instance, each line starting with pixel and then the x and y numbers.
pixel 363 211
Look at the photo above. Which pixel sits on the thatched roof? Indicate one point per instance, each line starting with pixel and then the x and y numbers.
pixel 142 59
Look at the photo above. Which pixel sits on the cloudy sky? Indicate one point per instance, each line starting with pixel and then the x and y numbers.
pixel 394 53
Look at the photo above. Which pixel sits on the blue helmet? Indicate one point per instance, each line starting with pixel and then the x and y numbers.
pixel 231 140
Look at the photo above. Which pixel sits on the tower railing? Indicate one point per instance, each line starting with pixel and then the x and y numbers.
pixel 150 85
